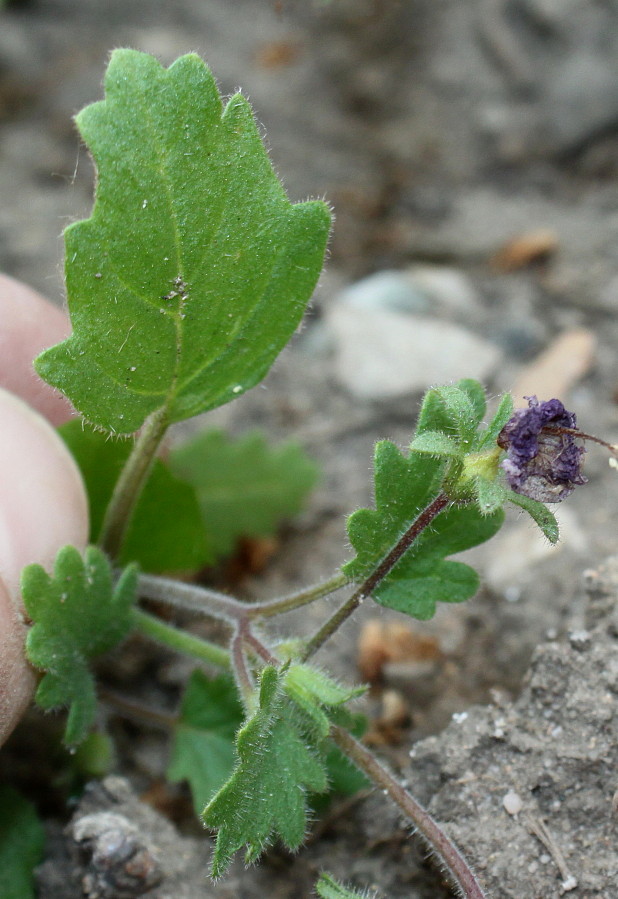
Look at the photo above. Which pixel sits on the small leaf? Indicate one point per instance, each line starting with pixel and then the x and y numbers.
pixel 436 443
pixel 244 487
pixel 266 795
pixel 78 614
pixel 22 839
pixel 540 514
pixel 166 532
pixel 489 436
pixel 203 750
pixel 454 410
pixel 194 269
pixel 329 888
pixel 490 495
pixel 317 694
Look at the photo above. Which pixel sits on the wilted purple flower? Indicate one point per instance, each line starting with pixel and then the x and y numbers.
pixel 543 461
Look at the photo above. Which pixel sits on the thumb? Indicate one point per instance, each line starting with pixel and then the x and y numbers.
pixel 43 507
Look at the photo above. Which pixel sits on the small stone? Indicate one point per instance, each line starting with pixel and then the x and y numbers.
pixel 383 354
pixel 512 803
pixel 391 290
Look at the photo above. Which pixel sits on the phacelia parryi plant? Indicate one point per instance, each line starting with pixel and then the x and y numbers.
pixel 183 286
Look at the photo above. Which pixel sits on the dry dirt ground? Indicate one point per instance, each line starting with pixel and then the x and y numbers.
pixel 441 131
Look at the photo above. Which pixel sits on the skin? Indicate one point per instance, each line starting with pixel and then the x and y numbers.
pixel 43 504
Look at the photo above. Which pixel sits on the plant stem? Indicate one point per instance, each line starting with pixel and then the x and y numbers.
pixel 136 711
pixel 296 600
pixel 191 598
pixel 378 574
pixel 211 602
pixel 444 848
pixel 131 482
pixel 181 641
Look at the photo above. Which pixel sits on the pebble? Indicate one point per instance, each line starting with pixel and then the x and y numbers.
pixel 512 803
pixel 381 354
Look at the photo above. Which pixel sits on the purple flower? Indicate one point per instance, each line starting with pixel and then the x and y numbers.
pixel 543 461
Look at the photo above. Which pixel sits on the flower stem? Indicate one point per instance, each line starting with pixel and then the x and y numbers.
pixel 131 482
pixel 448 853
pixel 181 641
pixel 378 574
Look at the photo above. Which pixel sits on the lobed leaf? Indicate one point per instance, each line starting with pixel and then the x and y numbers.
pixel 22 838
pixel 266 795
pixel 404 486
pixel 77 614
pixel 194 269
pixel 166 532
pixel 244 487
pixel 203 750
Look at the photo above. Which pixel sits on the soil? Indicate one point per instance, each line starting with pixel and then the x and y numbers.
pixel 440 130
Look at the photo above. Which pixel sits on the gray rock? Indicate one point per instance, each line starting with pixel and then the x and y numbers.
pixel 384 354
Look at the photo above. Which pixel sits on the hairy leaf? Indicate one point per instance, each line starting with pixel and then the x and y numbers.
pixel 22 838
pixel 78 614
pixel 203 751
pixel 166 532
pixel 244 487
pixel 194 269
pixel 404 486
pixel 539 513
pixel 266 797
pixel 329 888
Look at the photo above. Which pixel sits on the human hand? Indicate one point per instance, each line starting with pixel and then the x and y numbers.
pixel 43 504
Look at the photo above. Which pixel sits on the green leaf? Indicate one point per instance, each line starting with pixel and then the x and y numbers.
pixel 455 410
pixel 436 443
pixel 266 795
pixel 317 694
pixel 489 436
pixel 404 486
pixel 194 269
pixel 539 513
pixel 329 888
pixel 203 750
pixel 244 487
pixel 22 839
pixel 490 495
pixel 166 532
pixel 78 614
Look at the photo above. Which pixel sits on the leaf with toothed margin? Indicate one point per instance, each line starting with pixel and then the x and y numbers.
pixel 194 269
pixel 78 614
pixel 280 760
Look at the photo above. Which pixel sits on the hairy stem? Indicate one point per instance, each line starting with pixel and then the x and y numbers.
pixel 440 844
pixel 378 574
pixel 131 482
pixel 296 600
pixel 193 598
pixel 181 641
